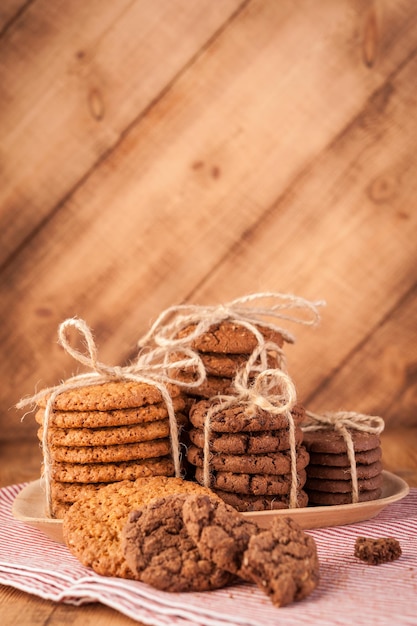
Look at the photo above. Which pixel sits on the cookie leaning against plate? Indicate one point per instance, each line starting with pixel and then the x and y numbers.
pixel 93 525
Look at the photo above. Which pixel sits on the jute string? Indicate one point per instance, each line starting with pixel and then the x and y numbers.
pixel 151 367
pixel 251 311
pixel 255 312
pixel 272 390
pixel 343 422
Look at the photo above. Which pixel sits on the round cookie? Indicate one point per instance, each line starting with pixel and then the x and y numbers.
pixel 231 338
pixel 111 454
pixel 247 443
pixel 343 486
pixel 212 386
pixel 220 532
pixel 344 473
pixel 93 525
pixel 108 396
pixel 58 509
pixel 223 365
pixel 111 472
pixel 117 435
pixel 252 484
pixel 246 503
pixel 323 498
pixel 239 419
pixel 71 492
pixel 329 441
pixel 281 560
pixel 226 365
pixel 160 552
pixel 342 460
pixel 111 418
pixel 273 463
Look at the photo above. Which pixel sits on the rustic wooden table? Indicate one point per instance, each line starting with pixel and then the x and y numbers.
pixel 155 153
pixel 20 462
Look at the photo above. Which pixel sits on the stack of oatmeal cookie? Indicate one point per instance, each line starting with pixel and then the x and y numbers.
pixel 106 433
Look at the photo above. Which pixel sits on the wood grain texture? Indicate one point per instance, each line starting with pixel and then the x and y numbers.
pixel 195 152
pixel 70 93
pixel 10 10
pixel 17 606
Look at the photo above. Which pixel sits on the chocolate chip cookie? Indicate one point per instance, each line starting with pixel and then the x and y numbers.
pixel 281 560
pixel 160 552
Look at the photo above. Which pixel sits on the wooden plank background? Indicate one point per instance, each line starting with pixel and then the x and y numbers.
pixel 154 153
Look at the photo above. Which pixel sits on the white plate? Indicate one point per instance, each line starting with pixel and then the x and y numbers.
pixel 29 507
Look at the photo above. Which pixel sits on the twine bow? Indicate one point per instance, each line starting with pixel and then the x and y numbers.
pixel 152 367
pixel 344 422
pixel 250 311
pixel 273 391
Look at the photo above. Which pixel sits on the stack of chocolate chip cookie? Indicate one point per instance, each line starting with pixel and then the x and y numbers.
pixel 329 475
pixel 250 458
pixel 106 433
pixel 224 349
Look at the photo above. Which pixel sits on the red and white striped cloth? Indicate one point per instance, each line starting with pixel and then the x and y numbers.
pixel 349 591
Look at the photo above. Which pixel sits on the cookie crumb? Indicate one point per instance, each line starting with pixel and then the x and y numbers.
pixel 376 551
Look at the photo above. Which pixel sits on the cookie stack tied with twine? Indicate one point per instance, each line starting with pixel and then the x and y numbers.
pixel 224 337
pixel 247 447
pixel 245 440
pixel 345 457
pixel 110 424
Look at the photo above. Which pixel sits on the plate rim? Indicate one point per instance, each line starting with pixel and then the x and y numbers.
pixel 399 489
pixel 402 490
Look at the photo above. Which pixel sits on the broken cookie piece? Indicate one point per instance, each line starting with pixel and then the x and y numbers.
pixel 281 560
pixel 376 551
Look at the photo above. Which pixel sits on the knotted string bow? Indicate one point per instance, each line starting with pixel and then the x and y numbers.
pixel 273 391
pixel 254 312
pixel 343 422
pixel 250 311
pixel 151 367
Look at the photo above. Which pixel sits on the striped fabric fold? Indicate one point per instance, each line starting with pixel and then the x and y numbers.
pixel 349 591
